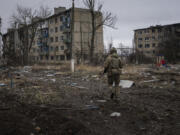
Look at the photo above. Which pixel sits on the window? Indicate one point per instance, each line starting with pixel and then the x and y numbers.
pixel 153 45
pixel 57 48
pixel 140 46
pixel 61 18
pixel 153 51
pixel 52 39
pixel 57 57
pixel 160 37
pixel 52 57
pixel 147 45
pixel 37 58
pixel 159 30
pixel 153 30
pixel 146 31
pixel 51 30
pixel 56 39
pixel 140 39
pixel 153 38
pixel 51 48
pixel 62 57
pixel 62 38
pixel 146 38
pixel 51 21
pixel 61 28
pixel 47 57
pixel 139 32
pixel 62 47
pixel 34 50
pixel 56 20
pixel 41 57
pixel 56 29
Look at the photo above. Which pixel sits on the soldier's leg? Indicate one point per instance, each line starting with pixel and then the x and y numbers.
pixel 110 83
pixel 117 80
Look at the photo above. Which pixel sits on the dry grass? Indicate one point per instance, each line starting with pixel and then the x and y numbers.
pixel 88 68
pixel 134 69
pixel 60 67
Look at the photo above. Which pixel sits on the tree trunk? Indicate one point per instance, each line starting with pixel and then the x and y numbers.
pixel 92 37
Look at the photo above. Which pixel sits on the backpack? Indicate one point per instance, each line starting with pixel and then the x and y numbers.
pixel 115 65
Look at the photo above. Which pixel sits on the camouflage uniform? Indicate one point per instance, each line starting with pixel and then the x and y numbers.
pixel 113 68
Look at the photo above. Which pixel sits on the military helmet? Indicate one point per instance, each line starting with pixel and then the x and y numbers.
pixel 113 50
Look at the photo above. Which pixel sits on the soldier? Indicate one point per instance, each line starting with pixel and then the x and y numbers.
pixel 113 68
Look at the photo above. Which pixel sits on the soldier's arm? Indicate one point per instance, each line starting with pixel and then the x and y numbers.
pixel 106 65
pixel 120 64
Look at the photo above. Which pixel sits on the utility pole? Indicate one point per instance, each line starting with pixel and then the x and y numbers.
pixel 72 37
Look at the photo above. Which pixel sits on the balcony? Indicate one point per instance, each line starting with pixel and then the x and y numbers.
pixel 66 30
pixel 67 41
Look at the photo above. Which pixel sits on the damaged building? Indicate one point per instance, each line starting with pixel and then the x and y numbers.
pixel 148 39
pixel 53 40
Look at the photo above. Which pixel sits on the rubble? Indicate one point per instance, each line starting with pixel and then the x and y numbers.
pixel 56 101
pixel 115 114
pixel 126 83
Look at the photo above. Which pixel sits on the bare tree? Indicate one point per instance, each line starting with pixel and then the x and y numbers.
pixel 98 19
pixel 44 12
pixel 170 48
pixel 27 21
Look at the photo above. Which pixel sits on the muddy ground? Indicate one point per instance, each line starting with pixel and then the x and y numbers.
pixel 54 102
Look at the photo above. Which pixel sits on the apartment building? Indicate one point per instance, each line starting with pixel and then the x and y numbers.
pixel 53 41
pixel 147 39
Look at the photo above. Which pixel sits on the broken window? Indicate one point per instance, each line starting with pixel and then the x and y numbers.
pixel 41 57
pixel 56 39
pixel 146 31
pixel 62 57
pixel 153 30
pixel 51 30
pixel 56 29
pixel 57 57
pixel 52 39
pixel 147 45
pixel 56 20
pixel 61 18
pixel 146 38
pixel 51 21
pixel 139 32
pixel 153 38
pixel 34 50
pixel 62 47
pixel 62 38
pixel 47 57
pixel 61 28
pixel 140 46
pixel 51 48
pixel 57 48
pixel 159 30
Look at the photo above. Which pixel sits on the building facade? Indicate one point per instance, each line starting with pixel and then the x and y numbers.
pixel 53 40
pixel 148 39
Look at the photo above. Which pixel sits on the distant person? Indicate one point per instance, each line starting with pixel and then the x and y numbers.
pixel 113 67
pixel 163 62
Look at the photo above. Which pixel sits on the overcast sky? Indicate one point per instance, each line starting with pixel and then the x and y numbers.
pixel 132 14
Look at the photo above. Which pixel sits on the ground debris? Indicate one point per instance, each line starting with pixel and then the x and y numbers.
pixel 79 103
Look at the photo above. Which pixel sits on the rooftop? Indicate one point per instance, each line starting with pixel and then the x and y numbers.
pixel 158 26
